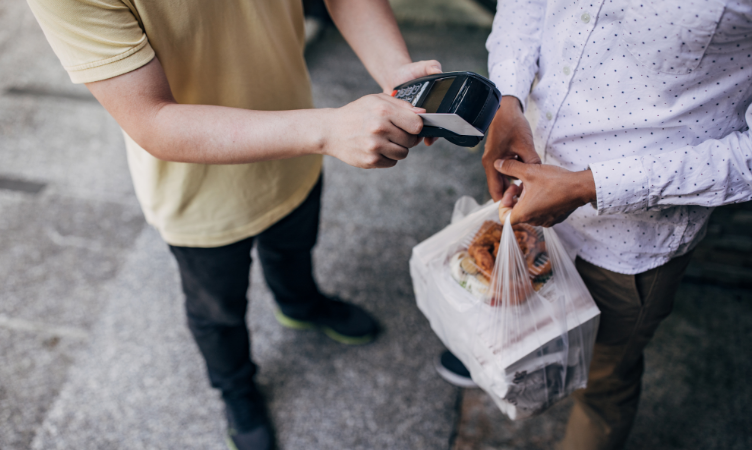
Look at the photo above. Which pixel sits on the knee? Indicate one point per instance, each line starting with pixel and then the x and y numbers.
pixel 204 311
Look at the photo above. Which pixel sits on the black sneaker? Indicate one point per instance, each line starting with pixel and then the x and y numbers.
pixel 453 371
pixel 343 322
pixel 248 425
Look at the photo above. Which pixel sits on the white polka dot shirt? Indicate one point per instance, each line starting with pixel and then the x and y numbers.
pixel 654 96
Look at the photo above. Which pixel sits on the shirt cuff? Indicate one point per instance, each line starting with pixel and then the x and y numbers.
pixel 128 61
pixel 621 186
pixel 512 79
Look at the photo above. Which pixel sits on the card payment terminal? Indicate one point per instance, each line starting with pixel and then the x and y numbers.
pixel 459 105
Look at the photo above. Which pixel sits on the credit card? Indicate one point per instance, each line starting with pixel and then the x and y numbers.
pixel 451 122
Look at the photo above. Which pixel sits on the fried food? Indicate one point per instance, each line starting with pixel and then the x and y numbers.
pixel 485 247
pixel 475 266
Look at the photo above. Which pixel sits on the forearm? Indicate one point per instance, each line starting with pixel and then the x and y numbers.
pixel 713 173
pixel 372 32
pixel 372 132
pixel 219 135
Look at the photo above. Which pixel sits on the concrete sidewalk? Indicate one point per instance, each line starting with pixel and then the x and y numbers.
pixel 94 352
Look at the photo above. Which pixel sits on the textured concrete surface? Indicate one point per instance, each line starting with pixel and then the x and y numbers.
pixel 60 246
pixel 92 338
pixel 93 348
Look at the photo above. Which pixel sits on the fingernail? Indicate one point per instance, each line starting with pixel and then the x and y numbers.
pixel 497 164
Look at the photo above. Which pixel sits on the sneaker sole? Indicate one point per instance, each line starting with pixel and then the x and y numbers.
pixel 452 378
pixel 230 444
pixel 295 324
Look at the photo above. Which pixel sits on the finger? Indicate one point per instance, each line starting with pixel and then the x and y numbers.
pixel 407 121
pixel 423 68
pixel 401 137
pixel 527 154
pixel 504 212
pixel 401 103
pixel 516 214
pixel 509 200
pixel 394 152
pixel 383 163
pixel 496 182
pixel 511 167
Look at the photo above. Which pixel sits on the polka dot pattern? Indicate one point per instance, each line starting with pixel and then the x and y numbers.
pixel 653 95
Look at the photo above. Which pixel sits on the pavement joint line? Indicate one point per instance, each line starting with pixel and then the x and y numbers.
pixel 39 327
pixel 33 91
pixel 18 185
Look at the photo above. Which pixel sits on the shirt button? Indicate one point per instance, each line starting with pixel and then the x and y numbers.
pixel 566 70
pixel 585 17
pixel 549 116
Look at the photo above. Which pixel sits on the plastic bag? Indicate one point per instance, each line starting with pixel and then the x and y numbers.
pixel 509 303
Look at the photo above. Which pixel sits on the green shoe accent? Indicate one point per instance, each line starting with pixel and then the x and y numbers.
pixel 289 322
pixel 230 444
pixel 348 340
pixel 295 324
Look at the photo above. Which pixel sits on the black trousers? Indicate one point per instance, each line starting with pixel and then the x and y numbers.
pixel 215 282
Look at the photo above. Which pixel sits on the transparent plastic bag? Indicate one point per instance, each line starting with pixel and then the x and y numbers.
pixel 509 303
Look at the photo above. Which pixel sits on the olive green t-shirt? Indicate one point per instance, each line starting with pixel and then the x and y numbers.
pixel 238 53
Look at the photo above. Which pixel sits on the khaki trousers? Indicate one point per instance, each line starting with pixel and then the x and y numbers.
pixel 632 307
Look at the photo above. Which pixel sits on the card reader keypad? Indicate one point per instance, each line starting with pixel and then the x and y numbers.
pixel 411 93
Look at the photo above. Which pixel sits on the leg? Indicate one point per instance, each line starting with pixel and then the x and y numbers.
pixel 215 283
pixel 285 253
pixel 632 307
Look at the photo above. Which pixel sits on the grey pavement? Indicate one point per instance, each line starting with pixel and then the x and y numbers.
pixel 94 352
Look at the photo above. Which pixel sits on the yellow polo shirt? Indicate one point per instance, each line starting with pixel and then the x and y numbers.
pixel 238 53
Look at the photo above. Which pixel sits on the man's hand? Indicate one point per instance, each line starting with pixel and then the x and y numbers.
pixel 549 193
pixel 411 71
pixel 375 131
pixel 509 137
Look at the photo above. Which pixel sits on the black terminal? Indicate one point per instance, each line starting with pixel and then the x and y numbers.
pixel 467 94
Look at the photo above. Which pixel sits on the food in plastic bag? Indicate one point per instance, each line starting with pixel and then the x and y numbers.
pixel 509 303
pixel 472 267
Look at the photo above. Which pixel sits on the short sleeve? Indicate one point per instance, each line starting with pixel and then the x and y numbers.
pixel 94 39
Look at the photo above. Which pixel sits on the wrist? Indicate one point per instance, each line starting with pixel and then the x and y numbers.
pixel 318 132
pixel 392 74
pixel 511 104
pixel 586 187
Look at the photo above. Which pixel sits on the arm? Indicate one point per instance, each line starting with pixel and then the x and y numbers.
pixel 374 131
pixel 371 30
pixel 714 173
pixel 513 50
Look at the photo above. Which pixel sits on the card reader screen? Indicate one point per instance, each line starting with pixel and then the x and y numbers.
pixel 438 91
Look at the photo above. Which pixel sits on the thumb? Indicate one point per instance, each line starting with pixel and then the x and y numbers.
pixel 511 168
pixel 423 68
